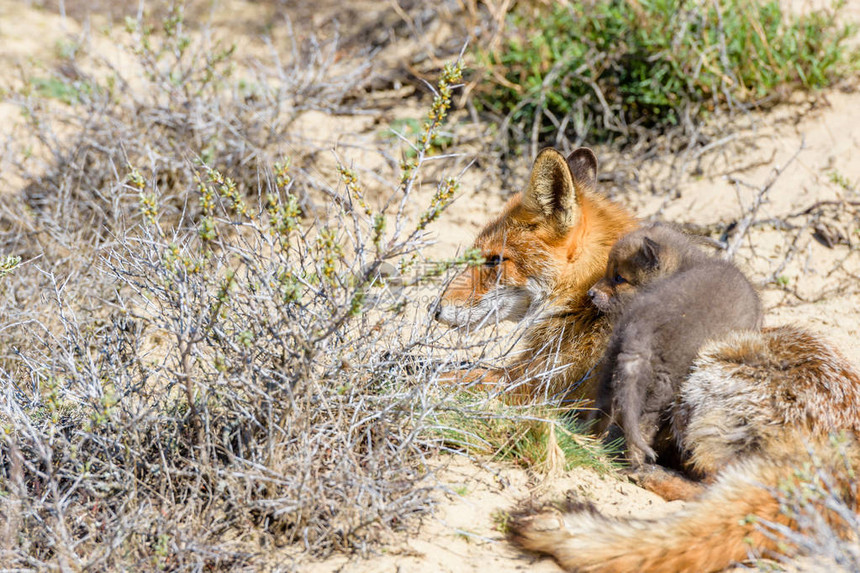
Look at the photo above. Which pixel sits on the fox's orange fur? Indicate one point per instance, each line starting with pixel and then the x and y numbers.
pixel 757 406
pixel 543 253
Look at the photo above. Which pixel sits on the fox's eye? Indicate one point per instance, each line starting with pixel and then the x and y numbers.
pixel 619 280
pixel 493 261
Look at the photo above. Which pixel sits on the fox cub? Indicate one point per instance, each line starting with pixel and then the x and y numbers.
pixel 666 299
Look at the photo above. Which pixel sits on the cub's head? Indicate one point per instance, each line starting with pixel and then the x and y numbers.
pixel 639 259
pixel 551 241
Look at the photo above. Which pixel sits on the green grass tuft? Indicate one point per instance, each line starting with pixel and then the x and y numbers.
pixel 541 438
pixel 600 67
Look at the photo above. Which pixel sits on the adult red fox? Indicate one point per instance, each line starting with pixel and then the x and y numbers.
pixel 544 252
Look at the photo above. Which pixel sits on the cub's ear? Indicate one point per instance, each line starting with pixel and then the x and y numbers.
pixel 583 167
pixel 551 191
pixel 649 253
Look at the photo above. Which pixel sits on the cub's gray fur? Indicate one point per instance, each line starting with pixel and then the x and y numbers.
pixel 667 298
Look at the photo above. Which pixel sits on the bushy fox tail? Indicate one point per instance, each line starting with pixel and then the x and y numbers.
pixel 723 526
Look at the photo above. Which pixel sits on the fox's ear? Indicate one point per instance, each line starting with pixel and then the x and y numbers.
pixel 650 253
pixel 583 167
pixel 551 191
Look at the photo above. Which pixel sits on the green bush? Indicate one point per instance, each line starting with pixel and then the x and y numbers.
pixel 598 68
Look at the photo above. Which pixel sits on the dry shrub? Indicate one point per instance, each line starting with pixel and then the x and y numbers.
pixel 192 371
pixel 178 98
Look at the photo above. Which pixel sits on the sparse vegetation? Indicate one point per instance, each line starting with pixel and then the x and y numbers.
pixel 182 100
pixel 502 521
pixel 619 70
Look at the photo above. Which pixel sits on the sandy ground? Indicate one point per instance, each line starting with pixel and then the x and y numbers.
pixel 462 535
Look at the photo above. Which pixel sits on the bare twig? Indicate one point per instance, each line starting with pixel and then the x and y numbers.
pixel 743 225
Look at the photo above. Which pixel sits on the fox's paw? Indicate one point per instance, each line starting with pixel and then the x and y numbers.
pixel 537 532
pixel 668 484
